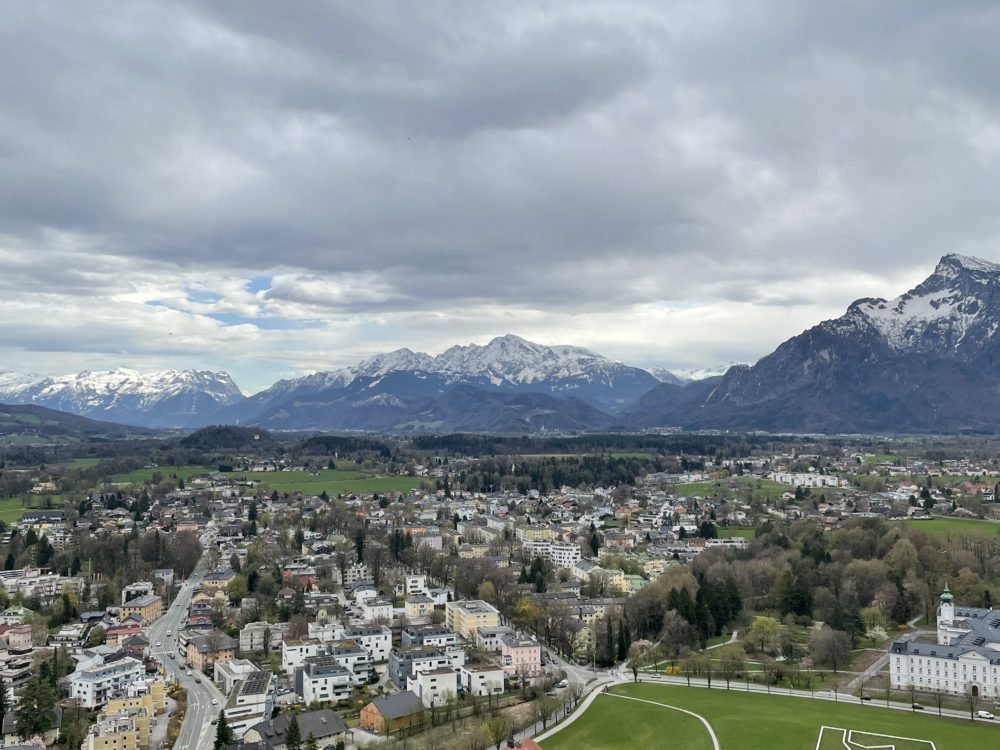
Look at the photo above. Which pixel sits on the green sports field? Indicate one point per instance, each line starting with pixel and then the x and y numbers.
pixel 954 527
pixel 751 721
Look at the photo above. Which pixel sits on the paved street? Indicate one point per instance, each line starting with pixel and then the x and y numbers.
pixel 197 732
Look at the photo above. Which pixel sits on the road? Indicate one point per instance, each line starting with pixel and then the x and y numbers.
pixel 197 731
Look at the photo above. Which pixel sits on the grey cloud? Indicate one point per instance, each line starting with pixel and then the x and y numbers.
pixel 418 158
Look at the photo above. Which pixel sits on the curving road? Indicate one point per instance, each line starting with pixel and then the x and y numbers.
pixel 197 731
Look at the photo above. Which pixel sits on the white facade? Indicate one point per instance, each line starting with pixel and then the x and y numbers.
pixel 94 684
pixel 560 554
pixel 478 680
pixel 295 653
pixel 435 686
pixel 965 658
pixel 376 640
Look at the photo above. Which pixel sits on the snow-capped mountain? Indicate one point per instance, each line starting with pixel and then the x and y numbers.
pixel 171 398
pixel 507 363
pixel 682 376
pixel 926 361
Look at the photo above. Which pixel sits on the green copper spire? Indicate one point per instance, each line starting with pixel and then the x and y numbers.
pixel 946 594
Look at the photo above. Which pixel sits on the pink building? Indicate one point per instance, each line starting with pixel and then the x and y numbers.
pixel 521 656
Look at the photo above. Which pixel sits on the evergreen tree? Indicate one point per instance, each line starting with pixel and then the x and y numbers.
pixel 223 733
pixel 311 743
pixel 4 699
pixel 35 714
pixel 610 641
pixel 293 737
pixel 622 645
pixel 595 543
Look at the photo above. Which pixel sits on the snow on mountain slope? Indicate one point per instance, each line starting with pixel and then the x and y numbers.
pixel 955 303
pixel 153 398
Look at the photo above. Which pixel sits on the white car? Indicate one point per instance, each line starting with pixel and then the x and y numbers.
pixel 215 701
pixel 189 673
pixel 170 632
pixel 984 715
pixel 158 643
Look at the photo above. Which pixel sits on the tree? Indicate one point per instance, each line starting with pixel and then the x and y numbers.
pixel 731 662
pixel 595 543
pixel 496 728
pixel 830 647
pixel 223 733
pixel 764 633
pixel 972 700
pixel 635 658
pixel 293 737
pixel 543 707
pixel 35 714
pixel 4 699
pixel 311 743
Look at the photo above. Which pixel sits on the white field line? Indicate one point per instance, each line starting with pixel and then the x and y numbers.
pixel 848 741
pixel 702 719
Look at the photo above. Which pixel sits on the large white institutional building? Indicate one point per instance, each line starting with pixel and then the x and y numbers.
pixel 965 657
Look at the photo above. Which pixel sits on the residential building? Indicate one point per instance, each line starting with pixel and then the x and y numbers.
pixel 254 634
pixel 429 635
pixel 251 701
pixel 435 687
pixel 520 656
pixel 324 725
pixel 405 661
pixel 401 712
pixel 323 678
pixel 375 639
pixel 294 653
pixel 98 679
pixel 466 617
pixel 354 658
pixel 205 651
pixel 481 679
pixel 147 607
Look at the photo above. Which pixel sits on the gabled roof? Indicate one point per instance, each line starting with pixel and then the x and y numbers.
pixel 398 705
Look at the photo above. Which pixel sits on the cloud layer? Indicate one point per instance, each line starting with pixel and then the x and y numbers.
pixel 276 188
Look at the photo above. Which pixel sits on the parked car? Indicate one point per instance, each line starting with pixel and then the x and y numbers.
pixel 866 697
pixel 984 715
pixel 917 707
pixel 561 684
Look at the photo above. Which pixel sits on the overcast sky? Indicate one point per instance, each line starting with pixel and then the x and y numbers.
pixel 273 188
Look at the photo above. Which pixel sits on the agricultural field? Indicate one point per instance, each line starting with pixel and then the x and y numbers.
pixel 629 717
pixel 954 527
pixel 142 476
pixel 12 508
pixel 333 482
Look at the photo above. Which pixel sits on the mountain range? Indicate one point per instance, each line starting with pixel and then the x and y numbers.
pixel 925 361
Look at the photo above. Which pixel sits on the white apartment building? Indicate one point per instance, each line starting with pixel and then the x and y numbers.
pixel 434 687
pixel 295 653
pixel 251 701
pixel 560 554
pixel 323 678
pixel 481 680
pixel 375 639
pixel 95 681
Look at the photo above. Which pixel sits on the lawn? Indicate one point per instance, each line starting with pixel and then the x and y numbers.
pixel 746 532
pixel 333 482
pixel 945 527
pixel 12 508
pixel 751 721
pixel 142 476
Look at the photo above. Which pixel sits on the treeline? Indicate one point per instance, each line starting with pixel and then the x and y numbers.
pixel 544 474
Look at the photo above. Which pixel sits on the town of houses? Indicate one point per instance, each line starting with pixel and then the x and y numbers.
pixel 371 643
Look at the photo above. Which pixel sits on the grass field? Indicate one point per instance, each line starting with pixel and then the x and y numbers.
pixel 746 532
pixel 333 481
pixel 141 476
pixel 944 527
pixel 12 508
pixel 750 721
